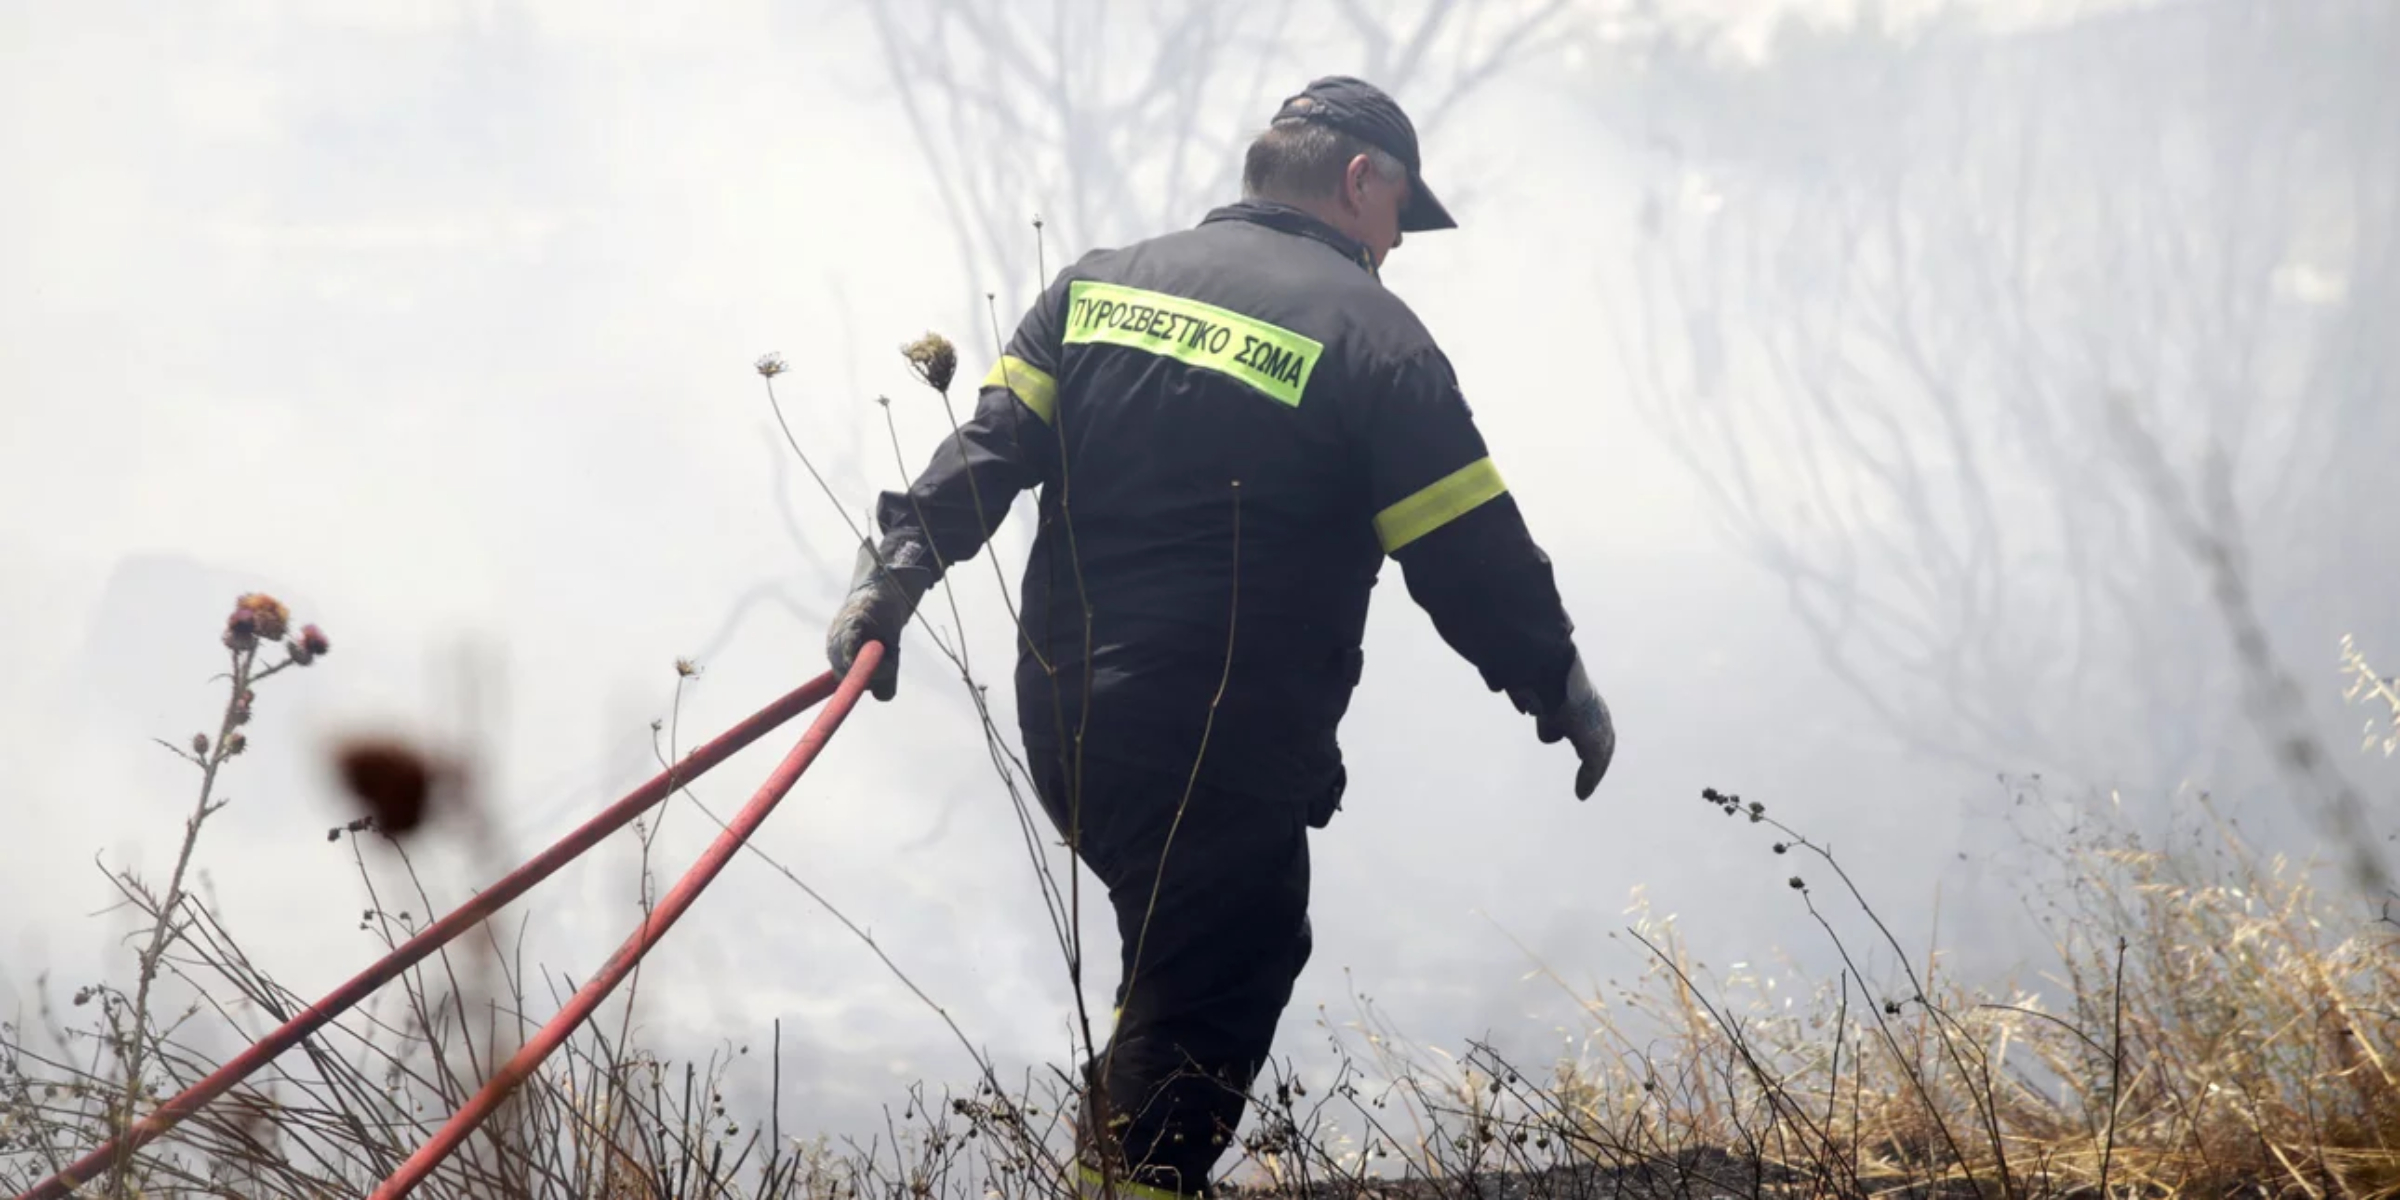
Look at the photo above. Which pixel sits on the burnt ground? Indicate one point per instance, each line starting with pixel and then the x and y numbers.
pixel 1721 1175
pixel 1700 1175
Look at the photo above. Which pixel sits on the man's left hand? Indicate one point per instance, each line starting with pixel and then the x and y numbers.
pixel 1582 720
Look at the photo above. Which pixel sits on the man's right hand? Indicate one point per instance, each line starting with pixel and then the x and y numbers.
pixel 884 589
pixel 1582 719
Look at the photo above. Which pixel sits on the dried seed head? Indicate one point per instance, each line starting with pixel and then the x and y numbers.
pixel 235 744
pixel 314 641
pixel 934 359
pixel 270 619
pixel 199 743
pixel 770 365
pixel 1796 884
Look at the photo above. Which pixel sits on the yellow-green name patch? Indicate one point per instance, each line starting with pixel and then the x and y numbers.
pixel 1274 360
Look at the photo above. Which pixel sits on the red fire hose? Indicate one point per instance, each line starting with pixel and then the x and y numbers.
pixel 686 890
pixel 844 697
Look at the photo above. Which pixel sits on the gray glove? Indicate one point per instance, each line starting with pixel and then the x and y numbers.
pixel 885 586
pixel 1582 719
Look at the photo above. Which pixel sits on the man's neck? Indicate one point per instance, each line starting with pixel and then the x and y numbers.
pixel 1323 210
pixel 1325 228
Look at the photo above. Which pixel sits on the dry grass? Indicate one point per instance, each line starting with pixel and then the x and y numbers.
pixel 2220 1026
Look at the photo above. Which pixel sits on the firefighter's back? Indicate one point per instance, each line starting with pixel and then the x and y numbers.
pixel 1211 509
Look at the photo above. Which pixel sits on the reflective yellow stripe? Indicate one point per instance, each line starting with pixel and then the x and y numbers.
pixel 1272 359
pixel 1444 501
pixel 1126 1188
pixel 1032 384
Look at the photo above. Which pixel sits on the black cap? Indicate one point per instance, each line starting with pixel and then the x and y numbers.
pixel 1363 111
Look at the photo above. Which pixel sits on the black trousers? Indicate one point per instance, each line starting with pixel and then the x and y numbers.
pixel 1206 967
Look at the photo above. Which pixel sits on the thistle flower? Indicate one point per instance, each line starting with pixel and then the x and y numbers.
pixel 199 743
pixel 307 646
pixel 270 618
pixel 933 359
pixel 770 365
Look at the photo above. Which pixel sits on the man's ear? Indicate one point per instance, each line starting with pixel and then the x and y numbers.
pixel 1354 181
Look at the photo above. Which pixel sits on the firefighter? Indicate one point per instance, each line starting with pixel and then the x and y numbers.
pixel 1228 428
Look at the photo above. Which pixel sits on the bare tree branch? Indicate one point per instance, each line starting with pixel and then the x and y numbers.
pixel 1885 278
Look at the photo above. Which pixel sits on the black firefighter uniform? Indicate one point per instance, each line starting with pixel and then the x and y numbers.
pixel 1229 428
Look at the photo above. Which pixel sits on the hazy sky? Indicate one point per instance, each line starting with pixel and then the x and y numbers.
pixel 437 322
